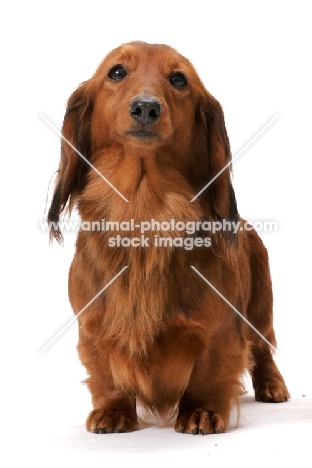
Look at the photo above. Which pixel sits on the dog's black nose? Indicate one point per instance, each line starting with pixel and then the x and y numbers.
pixel 145 109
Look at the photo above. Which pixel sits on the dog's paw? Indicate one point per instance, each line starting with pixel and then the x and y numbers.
pixel 200 421
pixel 273 391
pixel 103 421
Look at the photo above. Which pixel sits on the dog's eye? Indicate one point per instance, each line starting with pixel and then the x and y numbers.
pixel 117 73
pixel 178 80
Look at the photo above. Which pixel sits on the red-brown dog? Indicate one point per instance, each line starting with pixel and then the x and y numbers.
pixel 159 334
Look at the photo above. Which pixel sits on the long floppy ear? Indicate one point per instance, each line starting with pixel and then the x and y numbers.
pixel 72 168
pixel 219 155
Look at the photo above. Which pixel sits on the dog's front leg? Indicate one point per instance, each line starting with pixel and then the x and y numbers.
pixel 114 409
pixel 214 386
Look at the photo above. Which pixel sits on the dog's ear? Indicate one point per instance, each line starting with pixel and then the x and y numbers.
pixel 219 155
pixel 72 169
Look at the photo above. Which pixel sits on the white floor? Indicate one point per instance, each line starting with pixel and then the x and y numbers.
pixel 267 435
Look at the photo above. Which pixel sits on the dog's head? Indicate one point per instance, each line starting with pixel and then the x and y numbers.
pixel 149 100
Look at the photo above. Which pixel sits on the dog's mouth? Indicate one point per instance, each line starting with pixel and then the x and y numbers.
pixel 142 133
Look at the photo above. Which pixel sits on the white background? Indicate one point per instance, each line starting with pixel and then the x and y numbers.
pixel 255 58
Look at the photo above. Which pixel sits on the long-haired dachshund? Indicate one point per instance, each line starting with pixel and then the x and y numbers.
pixel 159 334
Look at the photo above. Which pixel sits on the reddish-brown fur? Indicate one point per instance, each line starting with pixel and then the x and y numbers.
pixel 159 334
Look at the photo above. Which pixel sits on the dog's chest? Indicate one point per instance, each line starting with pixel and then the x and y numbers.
pixel 159 377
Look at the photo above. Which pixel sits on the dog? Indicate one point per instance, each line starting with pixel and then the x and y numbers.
pixel 154 331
